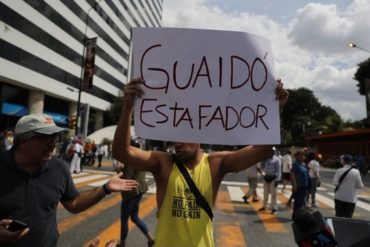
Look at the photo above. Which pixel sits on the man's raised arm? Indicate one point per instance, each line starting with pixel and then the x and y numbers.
pixel 121 148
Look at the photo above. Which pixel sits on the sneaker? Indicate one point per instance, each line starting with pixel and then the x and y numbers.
pixel 262 209
pixel 245 199
pixel 274 212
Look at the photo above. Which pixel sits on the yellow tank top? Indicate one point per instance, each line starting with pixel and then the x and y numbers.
pixel 181 222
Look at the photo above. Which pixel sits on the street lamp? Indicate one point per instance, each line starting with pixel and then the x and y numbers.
pixel 353 45
pixel 82 70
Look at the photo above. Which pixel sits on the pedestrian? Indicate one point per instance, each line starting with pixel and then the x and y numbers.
pixel 182 221
pixel 33 182
pixel 8 140
pixel 252 176
pixel 271 168
pixel 286 168
pixel 131 203
pixel 299 177
pixel 314 177
pixel 346 181
pixel 101 152
pixel 75 165
pixel 63 149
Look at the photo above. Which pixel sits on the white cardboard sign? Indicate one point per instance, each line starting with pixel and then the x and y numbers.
pixel 205 86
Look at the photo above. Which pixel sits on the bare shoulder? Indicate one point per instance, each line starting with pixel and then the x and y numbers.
pixel 218 157
pixel 164 160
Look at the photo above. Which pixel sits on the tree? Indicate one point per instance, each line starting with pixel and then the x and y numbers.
pixel 362 73
pixel 304 115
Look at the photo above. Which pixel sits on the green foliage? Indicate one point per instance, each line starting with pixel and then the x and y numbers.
pixel 362 73
pixel 360 124
pixel 304 116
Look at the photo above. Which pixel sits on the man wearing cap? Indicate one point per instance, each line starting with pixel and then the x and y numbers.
pixel 346 180
pixel 32 182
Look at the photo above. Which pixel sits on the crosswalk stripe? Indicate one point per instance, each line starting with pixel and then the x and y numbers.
pixel 234 189
pixel 152 189
pixel 98 183
pixel 69 222
pixel 147 205
pixel 358 196
pixel 227 234
pixel 223 202
pixel 75 175
pixel 359 203
pixel 325 200
pixel 235 193
pixel 84 179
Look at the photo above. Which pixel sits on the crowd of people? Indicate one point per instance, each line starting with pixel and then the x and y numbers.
pixel 303 173
pixel 79 153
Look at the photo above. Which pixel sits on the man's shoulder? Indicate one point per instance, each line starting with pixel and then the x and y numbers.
pixel 57 164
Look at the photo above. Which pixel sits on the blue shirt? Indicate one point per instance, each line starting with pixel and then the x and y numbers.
pixel 301 173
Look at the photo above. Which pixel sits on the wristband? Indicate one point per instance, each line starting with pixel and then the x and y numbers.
pixel 106 190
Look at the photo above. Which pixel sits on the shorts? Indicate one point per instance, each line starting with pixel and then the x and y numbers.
pixel 286 175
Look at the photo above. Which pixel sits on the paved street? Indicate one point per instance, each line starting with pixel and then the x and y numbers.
pixel 236 223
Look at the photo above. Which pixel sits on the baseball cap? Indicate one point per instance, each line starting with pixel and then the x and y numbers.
pixel 346 158
pixel 39 123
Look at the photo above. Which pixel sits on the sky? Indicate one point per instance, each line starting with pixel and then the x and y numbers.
pixel 309 40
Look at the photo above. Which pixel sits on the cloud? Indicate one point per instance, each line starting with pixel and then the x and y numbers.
pixel 310 50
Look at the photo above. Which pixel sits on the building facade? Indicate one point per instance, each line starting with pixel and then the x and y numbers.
pixel 42 49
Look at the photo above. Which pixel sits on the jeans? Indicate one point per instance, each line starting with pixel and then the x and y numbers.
pixel 299 198
pixel 130 208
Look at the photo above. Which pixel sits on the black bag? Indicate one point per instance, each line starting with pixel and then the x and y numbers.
pixel 269 178
pixel 79 154
pixel 341 179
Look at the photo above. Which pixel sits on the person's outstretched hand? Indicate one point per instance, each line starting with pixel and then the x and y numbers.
pixel 117 183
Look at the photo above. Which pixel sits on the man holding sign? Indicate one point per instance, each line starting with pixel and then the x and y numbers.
pixel 182 219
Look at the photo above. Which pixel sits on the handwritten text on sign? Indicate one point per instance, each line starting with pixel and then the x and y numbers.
pixel 205 86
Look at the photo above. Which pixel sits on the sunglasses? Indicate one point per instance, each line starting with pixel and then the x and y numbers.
pixel 47 139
